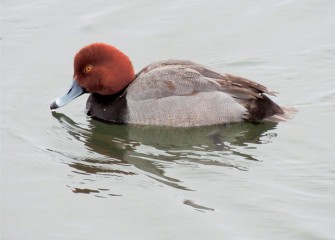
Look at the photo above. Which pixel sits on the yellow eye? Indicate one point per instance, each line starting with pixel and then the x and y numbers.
pixel 88 68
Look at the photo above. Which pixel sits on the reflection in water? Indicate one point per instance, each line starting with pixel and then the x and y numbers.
pixel 131 150
pixel 197 206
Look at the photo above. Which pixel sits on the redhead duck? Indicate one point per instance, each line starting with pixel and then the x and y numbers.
pixel 176 93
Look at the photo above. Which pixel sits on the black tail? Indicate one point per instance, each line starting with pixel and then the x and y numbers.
pixel 264 108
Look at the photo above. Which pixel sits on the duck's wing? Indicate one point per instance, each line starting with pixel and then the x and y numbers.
pixel 178 77
pixel 174 78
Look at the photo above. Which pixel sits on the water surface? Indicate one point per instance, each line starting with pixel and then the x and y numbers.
pixel 66 176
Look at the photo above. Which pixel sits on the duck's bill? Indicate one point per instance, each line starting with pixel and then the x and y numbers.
pixel 74 92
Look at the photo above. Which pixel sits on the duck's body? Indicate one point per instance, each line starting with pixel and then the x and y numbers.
pixel 170 93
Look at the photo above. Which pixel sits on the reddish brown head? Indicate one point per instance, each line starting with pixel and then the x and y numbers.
pixel 103 69
pixel 98 68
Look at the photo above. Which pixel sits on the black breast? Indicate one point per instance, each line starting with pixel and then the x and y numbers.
pixel 109 108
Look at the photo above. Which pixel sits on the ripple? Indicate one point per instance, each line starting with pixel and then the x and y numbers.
pixel 197 206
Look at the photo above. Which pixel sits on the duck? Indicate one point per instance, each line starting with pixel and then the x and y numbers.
pixel 176 93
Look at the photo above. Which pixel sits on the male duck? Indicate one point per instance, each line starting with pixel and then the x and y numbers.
pixel 170 92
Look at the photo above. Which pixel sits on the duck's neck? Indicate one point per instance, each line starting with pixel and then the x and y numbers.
pixel 108 108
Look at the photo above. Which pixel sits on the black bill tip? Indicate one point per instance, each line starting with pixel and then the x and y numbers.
pixel 53 105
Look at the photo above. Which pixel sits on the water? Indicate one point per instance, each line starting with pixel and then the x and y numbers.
pixel 65 176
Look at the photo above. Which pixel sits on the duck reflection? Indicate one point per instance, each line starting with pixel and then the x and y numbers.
pixel 149 149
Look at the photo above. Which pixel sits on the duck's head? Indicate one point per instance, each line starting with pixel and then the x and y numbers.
pixel 98 68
